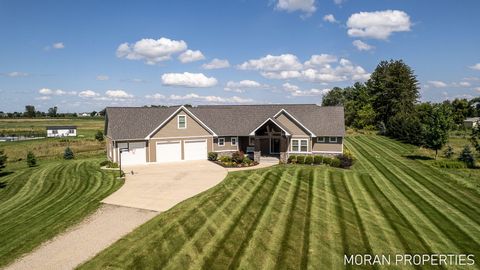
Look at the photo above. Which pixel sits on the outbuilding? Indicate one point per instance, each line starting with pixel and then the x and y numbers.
pixel 61 131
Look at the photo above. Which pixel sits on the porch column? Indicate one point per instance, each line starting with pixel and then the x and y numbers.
pixel 283 150
pixel 257 152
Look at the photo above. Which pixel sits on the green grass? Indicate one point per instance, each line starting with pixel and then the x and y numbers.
pixel 303 217
pixel 84 144
pixel 38 203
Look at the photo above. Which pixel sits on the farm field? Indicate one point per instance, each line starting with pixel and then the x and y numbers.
pixel 38 203
pixel 304 217
pixel 85 144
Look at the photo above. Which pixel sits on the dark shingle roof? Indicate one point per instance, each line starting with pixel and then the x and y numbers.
pixel 61 127
pixel 224 120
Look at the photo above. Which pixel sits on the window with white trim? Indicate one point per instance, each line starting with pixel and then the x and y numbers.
pixel 234 141
pixel 320 139
pixel 299 145
pixel 252 141
pixel 221 141
pixel 182 121
pixel 332 139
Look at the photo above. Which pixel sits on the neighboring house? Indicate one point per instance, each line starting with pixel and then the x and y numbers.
pixel 84 114
pixel 156 135
pixel 61 131
pixel 471 122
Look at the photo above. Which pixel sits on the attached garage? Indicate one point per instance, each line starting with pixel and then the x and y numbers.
pixel 136 154
pixel 169 151
pixel 195 150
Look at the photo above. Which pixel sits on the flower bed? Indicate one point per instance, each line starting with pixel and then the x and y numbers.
pixel 237 160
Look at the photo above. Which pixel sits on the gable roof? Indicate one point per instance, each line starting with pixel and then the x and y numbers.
pixel 129 123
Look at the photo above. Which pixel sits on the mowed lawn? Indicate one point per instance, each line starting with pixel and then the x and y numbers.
pixel 303 217
pixel 38 203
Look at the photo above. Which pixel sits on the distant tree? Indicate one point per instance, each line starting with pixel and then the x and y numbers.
pixel 187 105
pixel 448 153
pixel 99 136
pixel 461 110
pixel 31 159
pixel 29 111
pixel 93 114
pixel 68 154
pixel 467 157
pixel 52 112
pixel 3 159
pixel 393 88
pixel 436 128
pixel 102 112
pixel 334 97
pixel 406 127
pixel 475 137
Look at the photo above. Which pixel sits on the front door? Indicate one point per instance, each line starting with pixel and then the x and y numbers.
pixel 274 145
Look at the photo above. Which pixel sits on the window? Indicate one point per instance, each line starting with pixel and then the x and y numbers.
pixel 234 141
pixel 300 145
pixel 71 131
pixel 252 141
pixel 182 121
pixel 332 139
pixel 320 139
pixel 221 141
pixel 55 131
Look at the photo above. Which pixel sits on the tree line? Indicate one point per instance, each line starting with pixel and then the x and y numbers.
pixel 32 112
pixel 389 102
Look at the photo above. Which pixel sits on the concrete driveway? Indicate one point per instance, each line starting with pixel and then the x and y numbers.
pixel 159 187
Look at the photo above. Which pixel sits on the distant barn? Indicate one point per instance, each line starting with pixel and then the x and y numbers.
pixel 61 131
pixel 471 122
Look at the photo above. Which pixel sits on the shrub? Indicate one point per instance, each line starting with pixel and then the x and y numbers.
pixel 301 159
pixel 448 153
pixel 326 160
pixel 225 159
pixel 212 156
pixel 246 160
pixel 105 163
pixel 318 159
pixel 346 159
pixel 309 160
pixel 31 159
pixel 99 136
pixel 449 164
pixel 467 157
pixel 68 154
pixel 292 159
pixel 335 162
pixel 113 165
pixel 238 156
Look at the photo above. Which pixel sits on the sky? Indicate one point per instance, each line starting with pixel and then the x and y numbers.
pixel 84 55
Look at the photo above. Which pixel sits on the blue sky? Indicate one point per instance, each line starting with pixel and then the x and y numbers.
pixel 85 55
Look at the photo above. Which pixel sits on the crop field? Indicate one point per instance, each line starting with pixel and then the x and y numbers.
pixel 84 144
pixel 304 217
pixel 38 203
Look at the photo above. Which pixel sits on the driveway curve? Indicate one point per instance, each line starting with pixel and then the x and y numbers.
pixel 159 187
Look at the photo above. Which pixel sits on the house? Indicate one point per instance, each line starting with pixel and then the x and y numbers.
pixel 471 122
pixel 61 131
pixel 156 135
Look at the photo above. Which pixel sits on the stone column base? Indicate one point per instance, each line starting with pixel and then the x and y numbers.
pixel 256 156
pixel 283 157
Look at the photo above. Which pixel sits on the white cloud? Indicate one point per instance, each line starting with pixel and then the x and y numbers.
pixel 102 78
pixel 119 94
pixel 16 74
pixel 216 64
pixel 202 99
pixel 282 75
pixel 438 84
pixel 338 2
pixel 462 84
pixel 378 24
pixel 476 66
pixel 330 18
pixel 477 89
pixel 295 91
pixel 150 50
pixel 306 6
pixel 362 46
pixel 321 59
pixel 191 56
pixel 58 92
pixel 43 98
pixel 188 79
pixel 45 91
pixel 88 94
pixel 273 63
pixel 156 96
pixel 58 45
pixel 240 86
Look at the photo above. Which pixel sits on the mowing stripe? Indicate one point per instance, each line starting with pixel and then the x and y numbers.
pixel 308 220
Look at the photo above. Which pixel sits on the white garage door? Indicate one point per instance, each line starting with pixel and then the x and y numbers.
pixel 136 153
pixel 195 150
pixel 169 151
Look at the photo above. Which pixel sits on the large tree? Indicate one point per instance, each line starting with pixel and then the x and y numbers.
pixel 29 111
pixel 52 112
pixel 334 97
pixel 393 88
pixel 436 127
